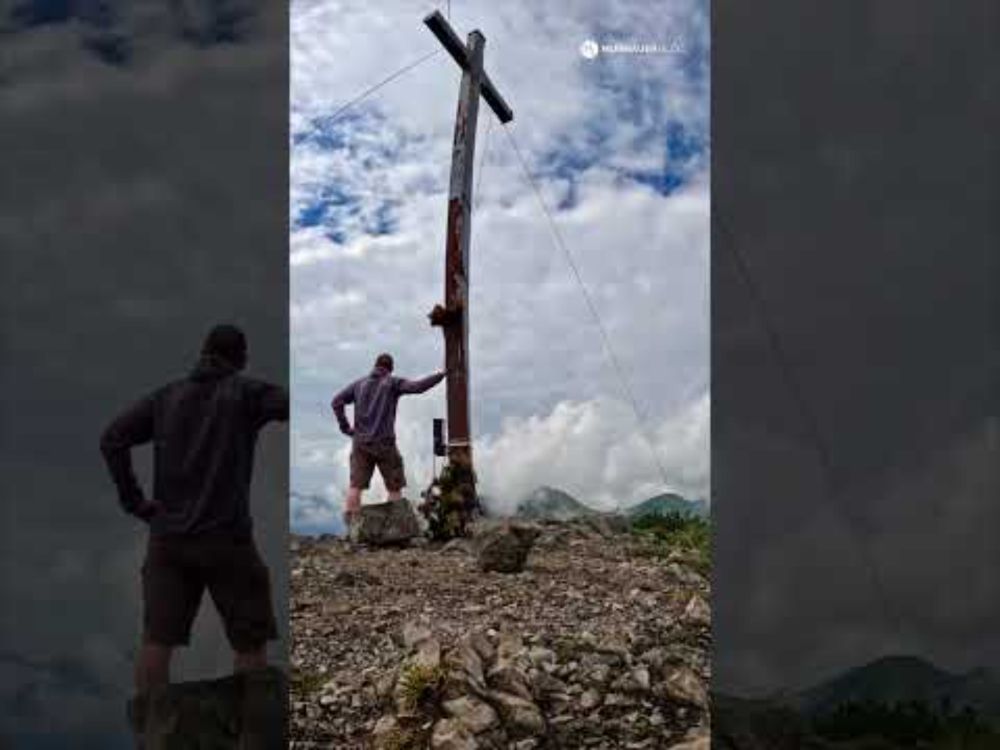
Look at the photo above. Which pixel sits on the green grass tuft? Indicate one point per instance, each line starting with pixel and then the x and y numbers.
pixel 690 535
pixel 420 687
pixel 306 682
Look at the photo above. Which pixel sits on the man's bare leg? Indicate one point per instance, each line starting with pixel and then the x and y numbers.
pixel 395 495
pixel 152 670
pixel 152 667
pixel 248 661
pixel 353 506
pixel 262 715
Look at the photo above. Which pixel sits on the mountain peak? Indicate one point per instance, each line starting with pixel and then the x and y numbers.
pixel 899 678
pixel 552 503
pixel 667 503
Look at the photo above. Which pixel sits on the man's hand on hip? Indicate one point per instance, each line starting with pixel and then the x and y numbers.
pixel 148 509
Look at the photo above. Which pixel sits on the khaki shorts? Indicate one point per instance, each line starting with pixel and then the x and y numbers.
pixel 384 454
pixel 178 569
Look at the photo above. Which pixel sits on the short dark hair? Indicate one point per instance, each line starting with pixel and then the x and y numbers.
pixel 384 360
pixel 228 342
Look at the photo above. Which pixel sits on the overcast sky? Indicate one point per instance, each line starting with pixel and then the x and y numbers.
pixel 619 145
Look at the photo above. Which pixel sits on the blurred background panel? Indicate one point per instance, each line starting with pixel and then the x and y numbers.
pixel 143 198
pixel 854 337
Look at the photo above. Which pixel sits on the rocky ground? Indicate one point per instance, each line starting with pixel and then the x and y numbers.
pixel 600 642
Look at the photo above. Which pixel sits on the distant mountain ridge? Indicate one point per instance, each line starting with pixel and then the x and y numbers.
pixel 900 679
pixel 787 722
pixel 667 503
pixel 551 503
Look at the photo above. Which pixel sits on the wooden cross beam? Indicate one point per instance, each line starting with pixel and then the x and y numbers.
pixel 440 27
pixel 453 317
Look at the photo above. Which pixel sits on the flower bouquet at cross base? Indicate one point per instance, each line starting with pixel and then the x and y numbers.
pixel 450 503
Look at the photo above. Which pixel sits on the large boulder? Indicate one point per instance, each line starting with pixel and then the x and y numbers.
pixel 385 524
pixel 504 548
pixel 245 711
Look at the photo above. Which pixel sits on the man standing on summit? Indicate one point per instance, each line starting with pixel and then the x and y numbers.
pixel 203 428
pixel 373 433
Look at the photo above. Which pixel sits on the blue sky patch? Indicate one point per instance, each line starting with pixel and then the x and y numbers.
pixel 683 145
pixel 336 236
pixel 384 221
pixel 333 133
pixel 683 149
pixel 663 182
pixel 331 202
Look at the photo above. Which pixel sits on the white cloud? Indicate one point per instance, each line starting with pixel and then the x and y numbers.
pixel 598 452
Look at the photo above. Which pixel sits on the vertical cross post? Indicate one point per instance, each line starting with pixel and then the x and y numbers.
pixel 456 274
pixel 453 317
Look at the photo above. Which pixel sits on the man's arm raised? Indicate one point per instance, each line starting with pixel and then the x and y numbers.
pixel 421 385
pixel 269 403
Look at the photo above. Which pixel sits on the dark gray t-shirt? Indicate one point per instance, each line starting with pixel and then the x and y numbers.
pixel 203 429
pixel 375 397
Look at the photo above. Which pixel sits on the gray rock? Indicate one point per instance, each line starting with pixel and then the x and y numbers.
pixel 385 684
pixel 684 686
pixel 428 653
pixel 466 660
pixel 546 685
pixel 523 716
pixel 636 681
pixel 457 546
pixel 240 711
pixel 452 735
pixel 697 611
pixel 510 646
pixel 482 645
pixel 508 678
pixel 615 648
pixel 385 733
pixel 505 548
pixel 618 699
pixel 414 633
pixel 539 655
pixel 654 657
pixel 640 676
pixel 590 700
pixel 599 675
pixel 475 715
pixel 385 524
